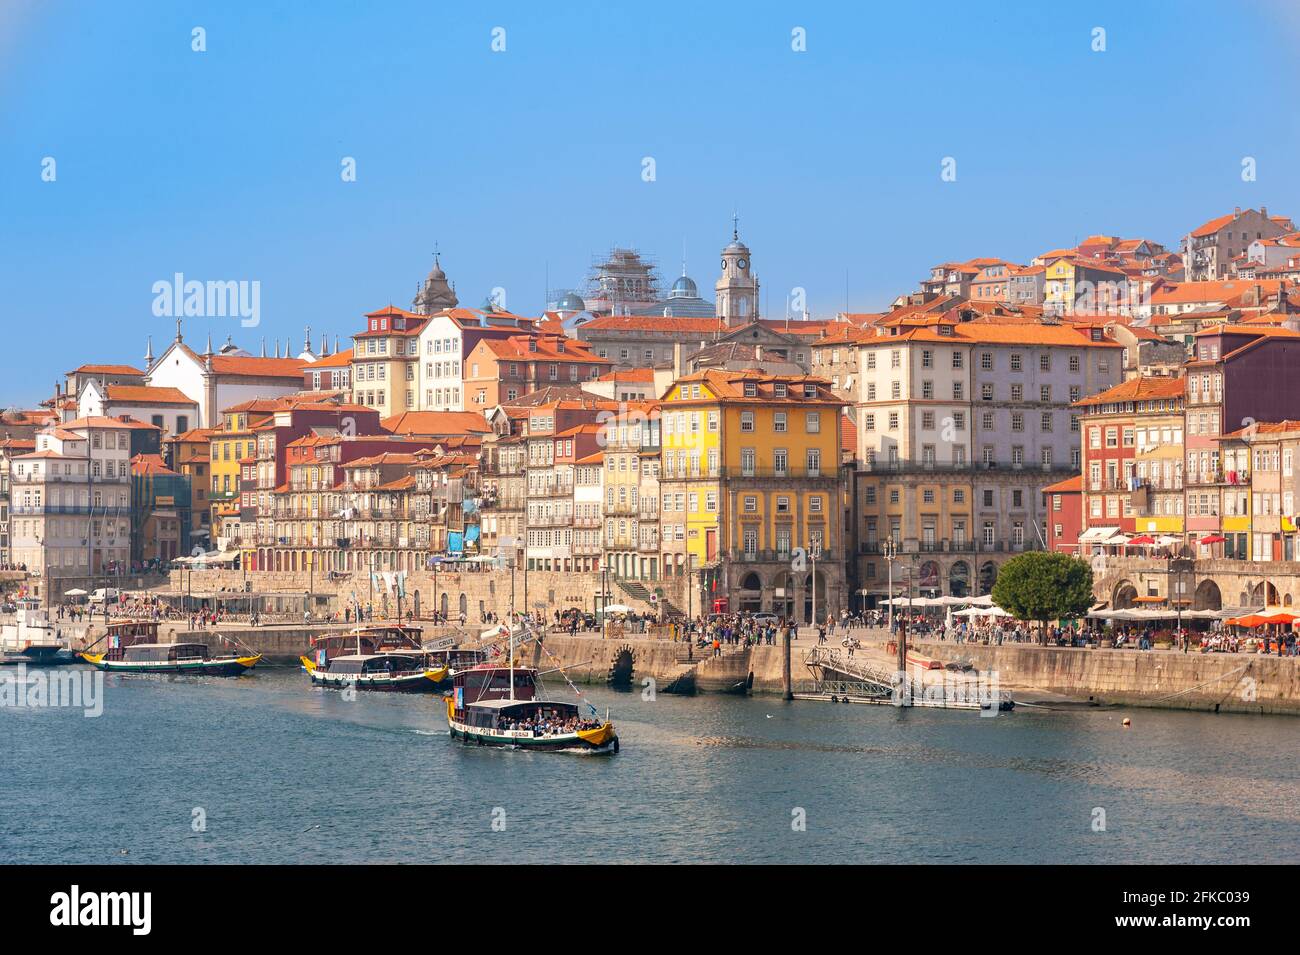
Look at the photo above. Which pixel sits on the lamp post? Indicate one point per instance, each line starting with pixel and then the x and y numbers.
pixel 891 554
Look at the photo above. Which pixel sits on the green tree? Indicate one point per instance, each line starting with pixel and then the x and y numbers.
pixel 1043 586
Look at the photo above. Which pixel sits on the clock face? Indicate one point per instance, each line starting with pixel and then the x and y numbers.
pixel 724 265
pixel 741 264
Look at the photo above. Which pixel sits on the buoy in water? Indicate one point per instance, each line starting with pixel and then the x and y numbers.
pixel 1127 721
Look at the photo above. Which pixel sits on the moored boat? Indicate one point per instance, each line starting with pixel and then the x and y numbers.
pixel 383 657
pixel 32 639
pixel 191 658
pixel 390 670
pixel 131 646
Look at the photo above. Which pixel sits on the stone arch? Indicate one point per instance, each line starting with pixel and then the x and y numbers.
pixel 1286 600
pixel 1124 595
pixel 750 597
pixel 622 666
pixel 464 605
pixel 1207 596
pixel 1264 592
pixel 959 579
pixel 442 611
pixel 783 606
pixel 988 577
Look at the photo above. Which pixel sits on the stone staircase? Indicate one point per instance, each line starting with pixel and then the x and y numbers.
pixel 635 590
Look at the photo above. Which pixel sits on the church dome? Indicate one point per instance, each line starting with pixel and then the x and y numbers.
pixel 684 287
pixel 572 302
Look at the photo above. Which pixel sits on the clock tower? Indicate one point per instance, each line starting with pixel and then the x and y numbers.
pixel 737 287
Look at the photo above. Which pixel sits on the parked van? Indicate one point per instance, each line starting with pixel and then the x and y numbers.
pixel 104 594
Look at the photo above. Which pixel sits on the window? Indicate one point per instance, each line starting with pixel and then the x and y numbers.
pixel 814 460
pixel 986 361
pixel 813 422
pixel 1015 361
pixel 778 421
pixel 747 421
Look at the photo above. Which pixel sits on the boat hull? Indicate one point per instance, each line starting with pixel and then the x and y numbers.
pixel 38 657
pixel 232 666
pixel 603 739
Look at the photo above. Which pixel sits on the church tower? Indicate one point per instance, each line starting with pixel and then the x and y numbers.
pixel 435 293
pixel 737 287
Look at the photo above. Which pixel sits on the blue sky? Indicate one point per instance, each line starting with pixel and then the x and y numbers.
pixel 225 165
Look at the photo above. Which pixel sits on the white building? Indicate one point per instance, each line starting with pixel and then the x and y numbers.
pixel 165 408
pixel 218 380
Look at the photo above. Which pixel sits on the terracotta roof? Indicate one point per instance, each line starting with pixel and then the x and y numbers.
pixel 413 323
pixel 516 348
pixel 654 323
pixel 107 370
pixel 195 436
pixel 436 422
pixel 730 386
pixel 150 464
pixel 147 395
pixel 1265 427
pixel 630 374
pixel 1137 389
pixel 1069 485
pixel 1214 225
pixel 100 422
pixel 241 366
pixel 340 359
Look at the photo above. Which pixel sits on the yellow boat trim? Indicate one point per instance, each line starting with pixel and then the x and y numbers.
pixel 93 658
pixel 599 736
pixel 308 664
pixel 437 676
pixel 248 662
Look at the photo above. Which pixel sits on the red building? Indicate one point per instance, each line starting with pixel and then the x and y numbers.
pixel 1063 502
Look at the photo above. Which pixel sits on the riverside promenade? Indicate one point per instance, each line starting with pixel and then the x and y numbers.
pixel 1215 682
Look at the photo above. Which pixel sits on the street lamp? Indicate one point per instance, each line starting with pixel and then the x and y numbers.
pixel 891 554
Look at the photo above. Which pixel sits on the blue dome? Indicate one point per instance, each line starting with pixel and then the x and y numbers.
pixel 571 303
pixel 684 287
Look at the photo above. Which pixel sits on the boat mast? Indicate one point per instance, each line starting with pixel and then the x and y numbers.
pixel 512 664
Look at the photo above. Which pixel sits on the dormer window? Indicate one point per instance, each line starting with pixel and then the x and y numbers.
pixel 751 389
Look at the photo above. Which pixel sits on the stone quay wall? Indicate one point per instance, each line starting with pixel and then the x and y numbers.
pixel 477 592
pixel 1218 682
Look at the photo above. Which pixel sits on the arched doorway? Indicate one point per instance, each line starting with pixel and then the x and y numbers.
pixel 1207 596
pixel 988 576
pixel 959 579
pixel 751 593
pixel 464 606
pixel 1123 596
pixel 783 595
pixel 442 611
pixel 1264 593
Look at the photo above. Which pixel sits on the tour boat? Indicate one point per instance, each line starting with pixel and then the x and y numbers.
pixel 390 670
pixel 133 647
pixel 32 639
pixel 495 705
pixel 384 657
pixel 169 658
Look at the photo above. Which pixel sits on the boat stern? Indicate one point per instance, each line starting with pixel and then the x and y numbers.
pixel 600 737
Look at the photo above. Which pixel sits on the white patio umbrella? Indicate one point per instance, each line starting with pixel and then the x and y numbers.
pixel 74 592
pixel 618 608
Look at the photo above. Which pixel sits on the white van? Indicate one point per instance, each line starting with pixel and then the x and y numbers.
pixel 104 594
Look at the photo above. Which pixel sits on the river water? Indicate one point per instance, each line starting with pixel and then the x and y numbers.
pixel 265 768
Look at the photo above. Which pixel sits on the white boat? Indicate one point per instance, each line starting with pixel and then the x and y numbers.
pixel 32 639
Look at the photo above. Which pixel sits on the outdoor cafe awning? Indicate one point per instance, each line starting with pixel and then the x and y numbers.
pixel 1097 535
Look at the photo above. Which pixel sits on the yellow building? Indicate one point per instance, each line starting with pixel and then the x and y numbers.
pixel 385 360
pixel 750 489
pixel 228 445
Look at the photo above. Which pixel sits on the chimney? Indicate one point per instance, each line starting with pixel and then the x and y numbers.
pixel 1263 210
pixel 1236 210
pixel 677 359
